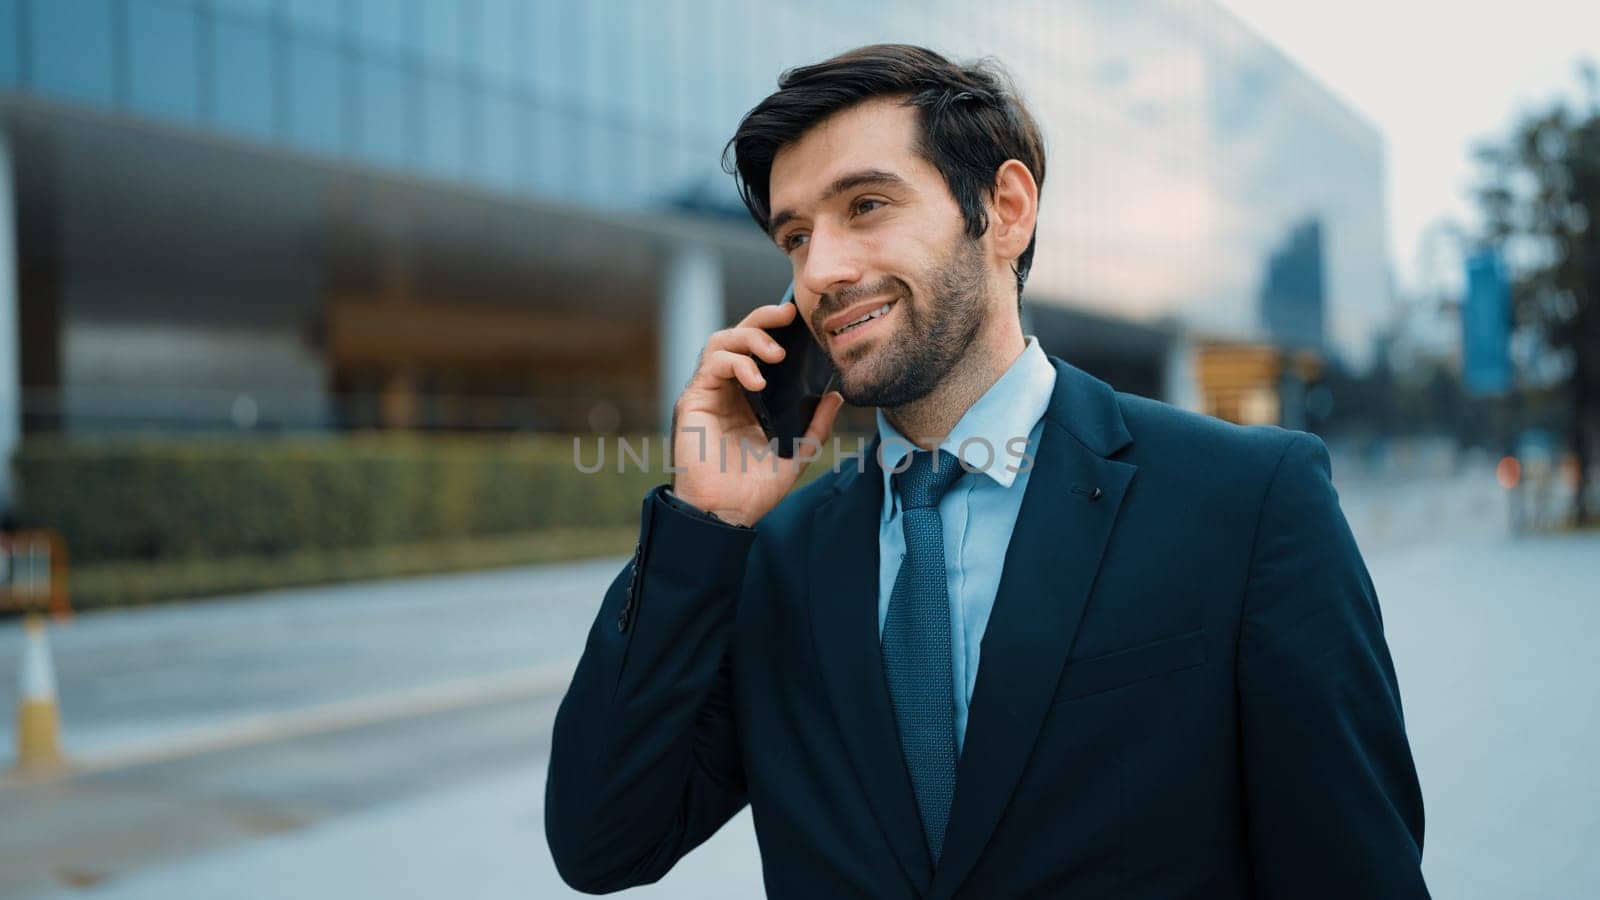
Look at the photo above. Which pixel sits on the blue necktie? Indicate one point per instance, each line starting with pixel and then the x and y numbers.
pixel 916 643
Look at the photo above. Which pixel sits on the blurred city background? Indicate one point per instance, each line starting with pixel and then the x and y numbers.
pixel 303 304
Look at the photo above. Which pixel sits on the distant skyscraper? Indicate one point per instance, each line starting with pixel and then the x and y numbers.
pixel 1293 292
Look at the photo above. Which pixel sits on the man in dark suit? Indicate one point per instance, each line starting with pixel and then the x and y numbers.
pixel 1043 639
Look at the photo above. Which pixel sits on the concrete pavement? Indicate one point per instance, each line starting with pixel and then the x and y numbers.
pixel 1494 648
pixel 136 681
pixel 480 842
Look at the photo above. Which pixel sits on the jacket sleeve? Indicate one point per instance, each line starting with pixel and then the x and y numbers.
pixel 644 759
pixel 1333 801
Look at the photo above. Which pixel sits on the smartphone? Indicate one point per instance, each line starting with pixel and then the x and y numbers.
pixel 795 384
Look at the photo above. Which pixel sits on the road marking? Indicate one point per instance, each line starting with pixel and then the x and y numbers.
pixel 324 718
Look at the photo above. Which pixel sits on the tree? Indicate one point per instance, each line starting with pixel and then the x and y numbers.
pixel 1541 207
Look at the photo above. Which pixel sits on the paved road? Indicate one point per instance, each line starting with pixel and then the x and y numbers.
pixel 1493 640
pixel 149 677
pixel 1494 647
pixel 484 840
pixel 164 816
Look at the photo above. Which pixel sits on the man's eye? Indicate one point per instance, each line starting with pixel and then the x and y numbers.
pixel 861 206
pixel 790 241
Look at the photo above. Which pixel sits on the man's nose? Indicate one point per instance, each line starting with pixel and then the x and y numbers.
pixel 830 262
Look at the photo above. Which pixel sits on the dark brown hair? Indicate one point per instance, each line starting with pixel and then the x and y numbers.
pixel 971 115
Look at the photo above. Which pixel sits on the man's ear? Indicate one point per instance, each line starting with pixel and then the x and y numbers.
pixel 1014 209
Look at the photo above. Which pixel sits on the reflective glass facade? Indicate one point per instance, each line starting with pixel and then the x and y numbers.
pixel 1193 171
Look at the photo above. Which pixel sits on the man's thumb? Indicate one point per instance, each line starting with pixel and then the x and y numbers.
pixel 822 420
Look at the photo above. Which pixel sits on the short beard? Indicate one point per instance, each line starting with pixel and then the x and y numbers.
pixel 938 332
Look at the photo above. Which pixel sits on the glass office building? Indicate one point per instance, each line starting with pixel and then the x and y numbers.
pixel 336 213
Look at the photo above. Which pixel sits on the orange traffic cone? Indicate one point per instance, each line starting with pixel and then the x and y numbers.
pixel 38 721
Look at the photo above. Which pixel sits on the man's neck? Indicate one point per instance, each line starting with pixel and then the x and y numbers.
pixel 926 422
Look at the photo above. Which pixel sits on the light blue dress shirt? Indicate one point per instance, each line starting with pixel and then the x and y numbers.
pixel 979 510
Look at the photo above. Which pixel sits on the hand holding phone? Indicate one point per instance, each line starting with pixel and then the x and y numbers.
pixel 795 384
pixel 715 423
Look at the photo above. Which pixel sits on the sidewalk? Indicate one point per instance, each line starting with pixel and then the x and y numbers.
pixel 477 843
pixel 1494 649
pixel 142 681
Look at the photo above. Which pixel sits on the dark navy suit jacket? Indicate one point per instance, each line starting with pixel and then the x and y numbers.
pixel 1184 690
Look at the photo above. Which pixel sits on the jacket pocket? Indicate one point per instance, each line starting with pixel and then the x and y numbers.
pixel 1120 668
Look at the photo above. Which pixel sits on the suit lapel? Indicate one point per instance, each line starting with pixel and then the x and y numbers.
pixel 844 626
pixel 1050 565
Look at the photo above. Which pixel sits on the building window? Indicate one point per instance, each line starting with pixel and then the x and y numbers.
pixel 163 52
pixel 70 46
pixel 441 34
pixel 442 126
pixel 392 26
pixel 10 44
pixel 316 96
pixel 325 18
pixel 241 66
pixel 503 40
pixel 502 153
pixel 259 9
pixel 388 99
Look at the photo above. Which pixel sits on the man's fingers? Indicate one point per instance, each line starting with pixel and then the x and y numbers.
pixel 747 340
pixel 770 316
pixel 726 364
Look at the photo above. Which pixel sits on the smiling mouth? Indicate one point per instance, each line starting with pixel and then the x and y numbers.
pixel 851 326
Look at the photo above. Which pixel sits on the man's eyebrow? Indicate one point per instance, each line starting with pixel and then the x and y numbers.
pixel 845 182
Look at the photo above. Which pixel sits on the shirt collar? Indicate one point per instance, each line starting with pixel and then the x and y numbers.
pixel 1008 409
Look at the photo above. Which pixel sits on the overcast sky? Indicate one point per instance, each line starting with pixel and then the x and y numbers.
pixel 1433 77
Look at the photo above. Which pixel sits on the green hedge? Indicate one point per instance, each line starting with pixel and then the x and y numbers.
pixel 137 583
pixel 181 499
